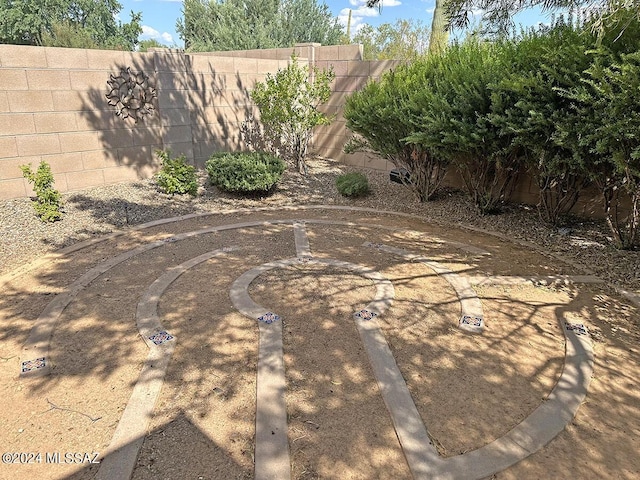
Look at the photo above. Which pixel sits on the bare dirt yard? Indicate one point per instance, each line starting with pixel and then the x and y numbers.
pixel 81 309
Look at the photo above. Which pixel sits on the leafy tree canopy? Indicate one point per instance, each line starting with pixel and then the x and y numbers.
pixel 403 40
pixel 68 23
pixel 497 15
pixel 209 25
pixel 145 45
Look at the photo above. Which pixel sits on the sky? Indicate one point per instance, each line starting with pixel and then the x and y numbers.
pixel 159 17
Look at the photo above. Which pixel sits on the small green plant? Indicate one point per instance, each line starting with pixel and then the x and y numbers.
pixel 353 184
pixel 288 102
pixel 175 176
pixel 47 204
pixel 244 172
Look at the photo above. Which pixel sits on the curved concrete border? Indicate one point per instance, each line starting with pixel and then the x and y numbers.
pixel 38 342
pixel 470 304
pixel 37 345
pixel 122 452
pixel 631 296
pixel 535 431
pixel 245 305
pixel 543 424
pixel 272 444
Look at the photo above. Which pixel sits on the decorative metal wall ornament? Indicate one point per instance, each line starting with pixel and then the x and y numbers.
pixel 131 94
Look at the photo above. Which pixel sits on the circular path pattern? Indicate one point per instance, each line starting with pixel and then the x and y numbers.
pixel 247 247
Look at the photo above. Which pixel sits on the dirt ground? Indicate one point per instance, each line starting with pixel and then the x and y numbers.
pixel 469 389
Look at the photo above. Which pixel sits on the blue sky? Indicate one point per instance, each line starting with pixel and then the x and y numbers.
pixel 159 16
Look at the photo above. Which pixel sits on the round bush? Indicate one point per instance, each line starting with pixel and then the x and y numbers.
pixel 244 172
pixel 353 184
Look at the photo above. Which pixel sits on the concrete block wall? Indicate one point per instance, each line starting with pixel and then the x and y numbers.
pixel 313 51
pixel 53 108
pixel 351 75
pixel 220 88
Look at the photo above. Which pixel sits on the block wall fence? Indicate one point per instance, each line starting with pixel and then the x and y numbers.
pixel 53 107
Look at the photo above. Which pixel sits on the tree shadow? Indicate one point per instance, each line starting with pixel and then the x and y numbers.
pixel 180 439
pixel 196 114
pixel 98 354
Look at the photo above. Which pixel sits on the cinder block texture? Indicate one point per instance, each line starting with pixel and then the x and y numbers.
pixel 13 79
pixel 53 107
pixel 14 188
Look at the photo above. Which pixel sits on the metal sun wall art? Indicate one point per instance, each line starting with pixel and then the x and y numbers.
pixel 131 94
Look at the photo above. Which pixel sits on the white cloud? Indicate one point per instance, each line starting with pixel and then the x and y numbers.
pixel 148 32
pixel 357 18
pixel 385 3
pixel 360 12
pixel 151 33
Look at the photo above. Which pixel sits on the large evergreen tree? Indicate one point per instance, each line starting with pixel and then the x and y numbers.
pixel 209 25
pixel 67 23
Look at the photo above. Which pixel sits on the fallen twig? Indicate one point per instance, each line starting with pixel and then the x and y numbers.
pixel 55 407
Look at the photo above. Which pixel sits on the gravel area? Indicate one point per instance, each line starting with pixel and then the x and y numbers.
pixel 97 211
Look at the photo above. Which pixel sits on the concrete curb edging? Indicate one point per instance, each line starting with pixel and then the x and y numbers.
pixel 535 431
pixel 631 296
pixel 122 452
pixel 272 444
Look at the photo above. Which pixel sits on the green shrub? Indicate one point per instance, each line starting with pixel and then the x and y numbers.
pixel 288 102
pixel 382 115
pixel 603 124
pixel 353 184
pixel 526 105
pixel 175 175
pixel 453 120
pixel 48 203
pixel 245 172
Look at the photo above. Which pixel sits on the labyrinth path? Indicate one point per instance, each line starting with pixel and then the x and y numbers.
pixel 304 342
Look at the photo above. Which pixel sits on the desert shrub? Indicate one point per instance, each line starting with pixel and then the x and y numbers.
pixel 382 116
pixel 175 175
pixel 453 120
pixel 48 203
pixel 288 102
pixel 434 113
pixel 245 172
pixel 604 122
pixel 527 106
pixel 353 184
